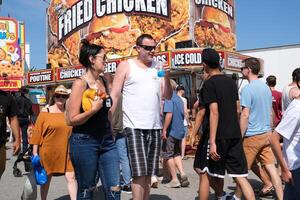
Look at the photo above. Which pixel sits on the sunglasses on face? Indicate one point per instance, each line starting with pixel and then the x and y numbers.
pixel 61 96
pixel 101 57
pixel 244 68
pixel 148 48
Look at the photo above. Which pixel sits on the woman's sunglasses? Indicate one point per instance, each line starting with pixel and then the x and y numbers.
pixel 61 96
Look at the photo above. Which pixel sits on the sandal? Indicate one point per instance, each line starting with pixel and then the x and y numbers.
pixel 267 192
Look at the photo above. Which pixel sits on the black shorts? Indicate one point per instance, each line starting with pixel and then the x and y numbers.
pixel 233 160
pixel 171 148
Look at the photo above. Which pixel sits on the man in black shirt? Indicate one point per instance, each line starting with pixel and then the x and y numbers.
pixel 8 108
pixel 24 115
pixel 221 143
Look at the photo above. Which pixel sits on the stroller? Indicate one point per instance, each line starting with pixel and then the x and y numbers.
pixel 26 158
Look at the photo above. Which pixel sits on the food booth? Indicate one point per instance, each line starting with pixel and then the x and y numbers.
pixel 182 28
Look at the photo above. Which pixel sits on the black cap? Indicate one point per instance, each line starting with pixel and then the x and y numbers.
pixel 211 58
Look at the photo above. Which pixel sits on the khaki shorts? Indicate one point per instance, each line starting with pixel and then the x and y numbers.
pixel 258 147
pixel 2 159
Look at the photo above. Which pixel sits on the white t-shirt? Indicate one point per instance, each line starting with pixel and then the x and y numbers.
pixel 289 129
pixel 185 109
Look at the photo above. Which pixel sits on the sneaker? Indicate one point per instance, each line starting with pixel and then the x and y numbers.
pixel 230 197
pixel 173 184
pixel 154 182
pixel 184 182
pixel 127 189
pixel 227 196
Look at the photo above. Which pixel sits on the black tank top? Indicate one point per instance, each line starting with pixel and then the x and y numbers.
pixel 98 125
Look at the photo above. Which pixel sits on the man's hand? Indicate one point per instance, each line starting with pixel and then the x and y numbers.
pixel 14 124
pixel 16 147
pixel 286 176
pixel 164 135
pixel 213 151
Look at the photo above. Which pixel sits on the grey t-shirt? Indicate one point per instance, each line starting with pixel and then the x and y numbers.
pixel 117 118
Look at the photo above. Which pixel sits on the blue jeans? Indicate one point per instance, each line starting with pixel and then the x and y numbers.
pixel 292 191
pixel 93 157
pixel 124 160
pixel 24 123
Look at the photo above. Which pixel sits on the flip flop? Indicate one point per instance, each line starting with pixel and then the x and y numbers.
pixel 267 192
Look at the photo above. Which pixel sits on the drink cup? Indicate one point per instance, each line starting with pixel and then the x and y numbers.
pixel 160 70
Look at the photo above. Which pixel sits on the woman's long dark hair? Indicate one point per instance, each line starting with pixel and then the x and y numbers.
pixel 86 50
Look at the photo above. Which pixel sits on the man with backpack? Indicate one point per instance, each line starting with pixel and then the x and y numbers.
pixel 24 115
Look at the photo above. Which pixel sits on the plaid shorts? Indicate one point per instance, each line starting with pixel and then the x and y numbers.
pixel 143 150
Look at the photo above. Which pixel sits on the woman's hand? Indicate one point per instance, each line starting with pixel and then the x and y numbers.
pixel 97 104
pixel 35 150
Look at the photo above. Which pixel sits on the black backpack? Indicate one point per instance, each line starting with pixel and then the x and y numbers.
pixel 24 106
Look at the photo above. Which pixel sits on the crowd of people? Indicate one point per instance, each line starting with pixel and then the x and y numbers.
pixel 121 137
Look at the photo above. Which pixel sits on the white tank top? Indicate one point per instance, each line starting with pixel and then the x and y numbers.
pixel 141 98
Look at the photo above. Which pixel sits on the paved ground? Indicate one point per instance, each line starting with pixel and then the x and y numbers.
pixel 11 187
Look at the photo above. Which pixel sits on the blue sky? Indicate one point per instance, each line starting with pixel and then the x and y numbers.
pixel 263 23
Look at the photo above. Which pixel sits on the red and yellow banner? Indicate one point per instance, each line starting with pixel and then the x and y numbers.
pixel 11 84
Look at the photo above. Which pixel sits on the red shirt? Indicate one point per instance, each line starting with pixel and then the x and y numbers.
pixel 276 106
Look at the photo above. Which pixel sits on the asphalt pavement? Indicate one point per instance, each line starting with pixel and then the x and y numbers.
pixel 11 187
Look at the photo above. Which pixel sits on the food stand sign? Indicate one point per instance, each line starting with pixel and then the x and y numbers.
pixel 40 77
pixel 11 58
pixel 111 65
pixel 187 58
pixel 11 84
pixel 116 24
pixel 69 73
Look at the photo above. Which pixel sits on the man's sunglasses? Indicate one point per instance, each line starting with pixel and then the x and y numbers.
pixel 148 48
pixel 242 68
pixel 61 96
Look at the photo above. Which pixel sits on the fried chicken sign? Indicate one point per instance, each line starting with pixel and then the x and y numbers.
pixel 116 25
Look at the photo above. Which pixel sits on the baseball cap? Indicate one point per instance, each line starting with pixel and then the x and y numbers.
pixel 61 90
pixel 211 57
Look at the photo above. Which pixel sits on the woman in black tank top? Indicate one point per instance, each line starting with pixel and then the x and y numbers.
pixel 92 149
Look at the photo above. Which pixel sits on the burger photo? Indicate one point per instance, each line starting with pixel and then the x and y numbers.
pixel 160 28
pixel 214 30
pixel 113 32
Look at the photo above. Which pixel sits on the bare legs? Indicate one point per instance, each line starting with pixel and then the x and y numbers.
pixel 141 187
pixel 45 188
pixel 71 184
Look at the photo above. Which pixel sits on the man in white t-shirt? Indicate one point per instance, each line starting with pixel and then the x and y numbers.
pixel 289 156
pixel 142 90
